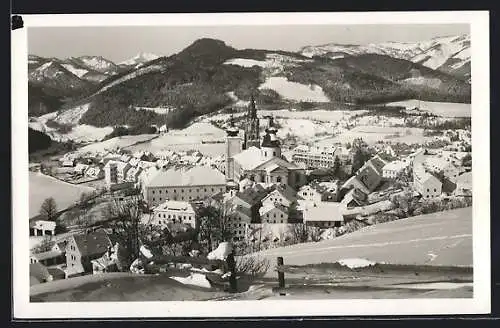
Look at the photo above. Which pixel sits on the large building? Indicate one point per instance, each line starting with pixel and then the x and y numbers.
pixel 261 161
pixel 185 184
pixel 315 157
pixel 172 211
pixel 425 183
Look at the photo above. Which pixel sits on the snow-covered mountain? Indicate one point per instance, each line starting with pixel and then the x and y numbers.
pixel 139 59
pixel 450 54
pixel 98 64
pixel 54 74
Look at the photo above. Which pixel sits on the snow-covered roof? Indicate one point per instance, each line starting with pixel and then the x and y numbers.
pixel 194 176
pixel 396 165
pixel 323 211
pixel 465 179
pixel 249 158
pixel 172 205
pixel 268 207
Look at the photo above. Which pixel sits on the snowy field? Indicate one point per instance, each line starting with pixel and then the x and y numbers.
pixel 157 110
pixel 42 186
pixel 114 143
pixel 303 128
pixel 295 91
pixel 78 133
pixel 443 109
pixel 316 115
pixel 186 139
pixel 442 238
pixel 373 134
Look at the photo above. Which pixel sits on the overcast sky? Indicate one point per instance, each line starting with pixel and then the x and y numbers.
pixel 123 42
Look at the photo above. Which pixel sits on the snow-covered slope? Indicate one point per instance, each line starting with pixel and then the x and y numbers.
pixel 97 63
pixel 295 91
pixel 75 70
pixel 448 53
pixel 140 58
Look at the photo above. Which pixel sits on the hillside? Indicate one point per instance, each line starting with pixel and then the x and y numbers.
pixel 210 75
pixel 449 54
pixel 442 238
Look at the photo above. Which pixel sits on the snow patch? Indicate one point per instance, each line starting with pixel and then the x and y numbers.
pixel 222 251
pixel 195 279
pixel 157 110
pixel 139 59
pixel 295 91
pixel 355 263
pixel 77 71
pixel 246 62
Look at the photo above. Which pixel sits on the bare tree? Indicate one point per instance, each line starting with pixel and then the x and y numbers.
pixel 48 209
pixel 45 245
pixel 215 220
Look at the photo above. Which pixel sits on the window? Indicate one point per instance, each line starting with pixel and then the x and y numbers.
pixel 281 215
pixel 205 189
pixel 159 215
pixel 435 189
pixel 169 216
pixel 427 189
pixel 274 215
pixel 163 215
pixel 274 153
pixel 153 192
pixel 159 191
pixel 175 190
pixel 160 198
pixel 282 220
pixel 182 198
pixel 166 191
pixel 153 199
pixel 213 189
pixel 182 190
pixel 198 190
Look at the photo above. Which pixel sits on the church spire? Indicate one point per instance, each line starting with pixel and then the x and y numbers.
pixel 252 110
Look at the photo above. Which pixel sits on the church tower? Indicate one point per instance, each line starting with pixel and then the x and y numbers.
pixel 252 137
pixel 234 145
pixel 270 144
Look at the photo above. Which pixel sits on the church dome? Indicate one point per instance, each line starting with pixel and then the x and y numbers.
pixel 270 141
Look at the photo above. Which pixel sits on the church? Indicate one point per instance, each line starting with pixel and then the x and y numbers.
pixel 258 159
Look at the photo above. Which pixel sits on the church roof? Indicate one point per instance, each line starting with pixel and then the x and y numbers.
pixel 249 158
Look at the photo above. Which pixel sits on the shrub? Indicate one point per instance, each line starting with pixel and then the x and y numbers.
pixel 252 265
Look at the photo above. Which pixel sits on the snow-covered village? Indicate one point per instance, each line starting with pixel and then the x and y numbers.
pixel 215 172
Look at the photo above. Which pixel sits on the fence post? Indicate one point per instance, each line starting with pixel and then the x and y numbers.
pixel 281 276
pixel 231 264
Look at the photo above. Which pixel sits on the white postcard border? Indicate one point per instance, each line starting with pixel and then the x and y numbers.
pixel 479 304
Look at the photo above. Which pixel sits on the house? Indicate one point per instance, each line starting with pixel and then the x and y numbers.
pixel 239 219
pixel 125 158
pixel 184 184
pixel 354 182
pixel 172 211
pixel 245 184
pixel 106 263
pixel 355 197
pixel 314 157
pixel 134 161
pixel 82 248
pixel 324 214
pixel 54 256
pixel 281 194
pixel 273 213
pixel 42 228
pixel 392 169
pixel 441 165
pixel 250 199
pixel 425 183
pixel 133 174
pixel 329 190
pixel 464 185
pixel 310 193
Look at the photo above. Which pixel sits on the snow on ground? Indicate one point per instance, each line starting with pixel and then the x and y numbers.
pixel 316 115
pixel 157 110
pixel 114 143
pixel 190 138
pixel 373 134
pixel 43 186
pixel 295 91
pixel 436 285
pixel 246 62
pixel 302 128
pixel 407 241
pixel 354 263
pixel 428 82
pixel 72 116
pixel 77 71
pixel 439 108
pixel 195 279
